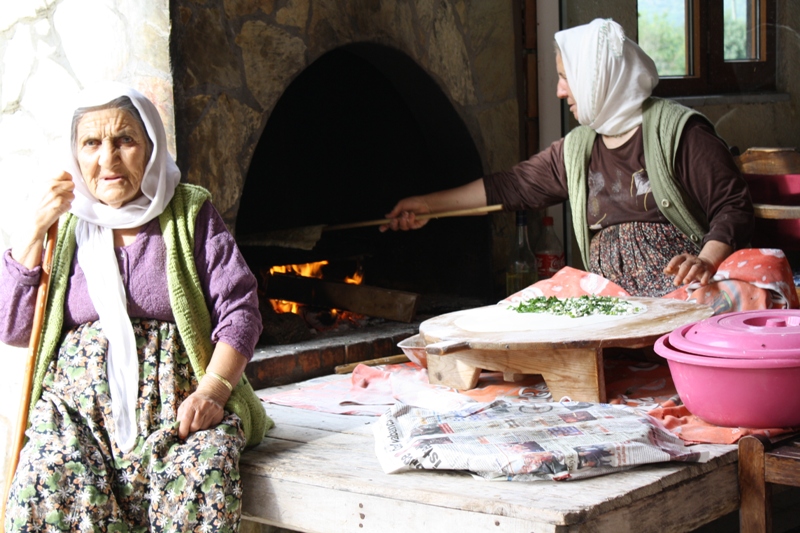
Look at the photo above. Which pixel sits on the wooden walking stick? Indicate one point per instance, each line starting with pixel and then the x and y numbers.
pixel 30 365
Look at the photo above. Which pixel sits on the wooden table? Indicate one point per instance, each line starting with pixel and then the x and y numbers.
pixel 318 473
pixel 570 360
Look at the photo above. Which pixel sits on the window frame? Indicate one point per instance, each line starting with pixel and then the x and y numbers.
pixel 710 73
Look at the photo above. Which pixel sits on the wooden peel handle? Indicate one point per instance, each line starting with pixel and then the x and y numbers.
pixel 444 214
pixel 18 438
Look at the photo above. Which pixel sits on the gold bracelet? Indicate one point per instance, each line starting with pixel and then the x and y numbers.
pixel 222 379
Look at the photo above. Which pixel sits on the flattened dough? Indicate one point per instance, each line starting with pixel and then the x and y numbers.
pixel 499 318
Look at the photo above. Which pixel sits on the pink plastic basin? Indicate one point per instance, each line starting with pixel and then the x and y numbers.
pixel 762 334
pixel 736 392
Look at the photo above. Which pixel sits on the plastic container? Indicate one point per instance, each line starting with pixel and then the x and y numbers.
pixel 748 393
pixel 738 369
pixel 414 348
pixel 768 334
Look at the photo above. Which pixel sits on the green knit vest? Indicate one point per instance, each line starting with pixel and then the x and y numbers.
pixel 662 124
pixel 186 297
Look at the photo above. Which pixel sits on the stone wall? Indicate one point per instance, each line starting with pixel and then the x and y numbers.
pixel 233 60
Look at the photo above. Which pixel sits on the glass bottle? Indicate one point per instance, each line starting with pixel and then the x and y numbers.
pixel 549 252
pixel 521 271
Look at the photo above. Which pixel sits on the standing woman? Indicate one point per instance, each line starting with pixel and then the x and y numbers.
pixel 657 200
pixel 139 408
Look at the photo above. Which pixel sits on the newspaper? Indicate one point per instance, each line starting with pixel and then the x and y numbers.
pixel 526 441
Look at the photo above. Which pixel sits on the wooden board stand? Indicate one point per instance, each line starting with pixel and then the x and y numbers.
pixel 569 359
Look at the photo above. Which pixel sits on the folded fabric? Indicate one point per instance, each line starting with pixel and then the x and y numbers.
pixel 692 429
pixel 568 283
pixel 752 278
pixel 371 390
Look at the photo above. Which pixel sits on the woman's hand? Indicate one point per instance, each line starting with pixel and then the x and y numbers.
pixel 404 214
pixel 198 412
pixel 56 200
pixel 205 407
pixel 687 268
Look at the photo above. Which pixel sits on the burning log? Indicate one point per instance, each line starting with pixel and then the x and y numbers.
pixel 372 301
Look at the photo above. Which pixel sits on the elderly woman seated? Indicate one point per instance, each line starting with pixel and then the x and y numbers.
pixel 139 406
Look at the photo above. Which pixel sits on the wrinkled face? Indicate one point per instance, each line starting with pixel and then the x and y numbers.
pixel 562 90
pixel 112 150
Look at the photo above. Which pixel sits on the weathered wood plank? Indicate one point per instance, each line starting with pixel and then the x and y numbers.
pixel 683 507
pixel 777 212
pixel 301 507
pixel 755 514
pixel 330 460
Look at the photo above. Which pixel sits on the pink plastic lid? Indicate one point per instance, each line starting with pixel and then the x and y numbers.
pixel 761 334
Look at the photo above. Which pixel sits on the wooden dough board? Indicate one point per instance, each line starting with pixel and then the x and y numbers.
pixel 569 359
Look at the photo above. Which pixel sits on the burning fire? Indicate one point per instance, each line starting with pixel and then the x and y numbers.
pixel 308 270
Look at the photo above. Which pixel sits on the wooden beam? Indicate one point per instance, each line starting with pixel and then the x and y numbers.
pixel 363 299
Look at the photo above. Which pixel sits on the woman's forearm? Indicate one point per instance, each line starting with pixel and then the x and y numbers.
pixel 225 369
pixel 467 196
pixel 715 252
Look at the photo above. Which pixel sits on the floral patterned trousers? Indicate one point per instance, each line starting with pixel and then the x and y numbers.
pixel 73 477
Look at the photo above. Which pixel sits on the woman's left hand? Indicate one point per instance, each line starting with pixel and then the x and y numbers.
pixel 205 407
pixel 198 412
pixel 687 268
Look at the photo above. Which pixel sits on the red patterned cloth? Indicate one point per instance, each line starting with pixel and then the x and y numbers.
pixel 753 278
pixel 568 283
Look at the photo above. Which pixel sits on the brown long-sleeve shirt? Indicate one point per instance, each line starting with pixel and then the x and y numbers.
pixel 619 189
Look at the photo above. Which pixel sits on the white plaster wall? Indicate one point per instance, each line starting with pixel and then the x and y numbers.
pixel 49 50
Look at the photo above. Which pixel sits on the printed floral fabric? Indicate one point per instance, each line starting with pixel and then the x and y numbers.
pixel 633 255
pixel 73 477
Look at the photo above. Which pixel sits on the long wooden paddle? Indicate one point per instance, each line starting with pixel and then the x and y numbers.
pixel 30 365
pixel 305 238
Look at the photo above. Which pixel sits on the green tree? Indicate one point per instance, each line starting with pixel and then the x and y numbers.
pixel 735 38
pixel 664 41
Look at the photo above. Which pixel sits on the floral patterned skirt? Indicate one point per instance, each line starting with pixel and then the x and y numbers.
pixel 73 477
pixel 633 255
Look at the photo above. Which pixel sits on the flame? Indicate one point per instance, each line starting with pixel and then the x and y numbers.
pixel 308 270
pixel 356 278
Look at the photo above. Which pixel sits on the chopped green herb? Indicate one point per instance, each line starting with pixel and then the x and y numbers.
pixel 578 306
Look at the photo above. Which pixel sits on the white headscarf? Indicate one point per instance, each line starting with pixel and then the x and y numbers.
pixel 609 75
pixel 95 241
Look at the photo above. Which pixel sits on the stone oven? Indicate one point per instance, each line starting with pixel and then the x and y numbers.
pixel 304 112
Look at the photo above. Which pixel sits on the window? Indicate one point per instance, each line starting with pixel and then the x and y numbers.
pixel 703 47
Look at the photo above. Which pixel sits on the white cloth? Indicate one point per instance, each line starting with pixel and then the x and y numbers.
pixel 609 75
pixel 98 260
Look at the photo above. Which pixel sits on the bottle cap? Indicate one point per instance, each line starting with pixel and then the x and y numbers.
pixel 547 221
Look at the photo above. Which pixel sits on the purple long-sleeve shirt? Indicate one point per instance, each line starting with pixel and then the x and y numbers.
pixel 228 285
